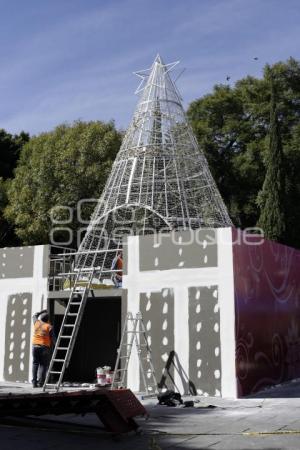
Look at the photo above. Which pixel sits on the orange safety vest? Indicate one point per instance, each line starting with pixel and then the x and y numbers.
pixel 119 266
pixel 41 334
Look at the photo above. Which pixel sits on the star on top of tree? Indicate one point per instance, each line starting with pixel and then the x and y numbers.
pixel 145 73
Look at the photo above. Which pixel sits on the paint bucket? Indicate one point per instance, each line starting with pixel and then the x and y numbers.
pixel 109 377
pixel 107 370
pixel 101 376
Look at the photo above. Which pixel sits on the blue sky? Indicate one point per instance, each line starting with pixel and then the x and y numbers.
pixel 63 60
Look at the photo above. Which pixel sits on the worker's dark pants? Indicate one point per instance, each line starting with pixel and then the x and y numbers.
pixel 40 363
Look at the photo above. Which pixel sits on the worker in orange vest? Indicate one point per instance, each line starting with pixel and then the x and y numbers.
pixel 117 265
pixel 42 341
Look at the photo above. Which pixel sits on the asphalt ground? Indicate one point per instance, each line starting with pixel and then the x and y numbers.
pixel 269 420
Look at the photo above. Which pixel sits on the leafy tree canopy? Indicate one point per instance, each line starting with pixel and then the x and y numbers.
pixel 10 147
pixel 232 126
pixel 59 168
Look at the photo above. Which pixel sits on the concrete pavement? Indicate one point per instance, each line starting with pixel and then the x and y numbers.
pixel 269 421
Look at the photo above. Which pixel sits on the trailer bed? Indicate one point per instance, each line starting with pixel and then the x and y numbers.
pixel 116 408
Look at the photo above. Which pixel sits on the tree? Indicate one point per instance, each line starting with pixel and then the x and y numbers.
pixel 4 228
pixel 232 127
pixel 10 147
pixel 227 134
pixel 56 170
pixel 271 198
pixel 292 158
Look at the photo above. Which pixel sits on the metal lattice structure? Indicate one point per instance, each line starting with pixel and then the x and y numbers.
pixel 160 180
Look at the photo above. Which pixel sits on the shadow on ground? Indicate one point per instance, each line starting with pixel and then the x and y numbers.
pixel 286 390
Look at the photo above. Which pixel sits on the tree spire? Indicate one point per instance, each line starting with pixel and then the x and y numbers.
pixel 271 197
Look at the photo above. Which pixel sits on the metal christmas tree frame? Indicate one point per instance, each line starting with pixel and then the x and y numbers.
pixel 160 180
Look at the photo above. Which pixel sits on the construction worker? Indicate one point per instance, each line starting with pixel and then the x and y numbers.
pixel 117 265
pixel 42 340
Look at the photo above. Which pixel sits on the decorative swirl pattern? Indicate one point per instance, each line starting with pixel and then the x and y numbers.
pixel 278 355
pixel 267 299
pixel 242 360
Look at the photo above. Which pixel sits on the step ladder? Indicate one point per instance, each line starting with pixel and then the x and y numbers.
pixel 75 308
pixel 134 332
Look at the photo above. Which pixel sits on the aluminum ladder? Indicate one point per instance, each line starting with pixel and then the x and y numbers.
pixel 68 332
pixel 75 308
pixel 134 331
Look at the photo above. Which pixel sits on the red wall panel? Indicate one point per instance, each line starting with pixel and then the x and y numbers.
pixel 267 308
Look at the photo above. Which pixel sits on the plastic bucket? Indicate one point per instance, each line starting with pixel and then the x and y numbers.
pixel 109 377
pixel 101 376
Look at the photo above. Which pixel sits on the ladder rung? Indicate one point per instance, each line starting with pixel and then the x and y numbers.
pixel 65 337
pixel 50 384
pixel 72 314
pixel 75 303
pixel 62 348
pixel 69 325
pixel 58 360
pixel 54 371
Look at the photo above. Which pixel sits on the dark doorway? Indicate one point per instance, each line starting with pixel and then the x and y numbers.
pixel 97 340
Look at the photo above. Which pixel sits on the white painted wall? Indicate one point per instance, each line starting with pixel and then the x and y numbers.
pixel 227 313
pixel 36 285
pixel 180 280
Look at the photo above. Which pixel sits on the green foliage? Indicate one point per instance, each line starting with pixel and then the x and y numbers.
pixel 271 199
pixel 56 169
pixel 10 147
pixel 293 188
pixel 232 127
pixel 224 127
pixel 3 203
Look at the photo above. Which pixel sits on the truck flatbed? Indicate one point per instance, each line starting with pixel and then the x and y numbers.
pixel 116 408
